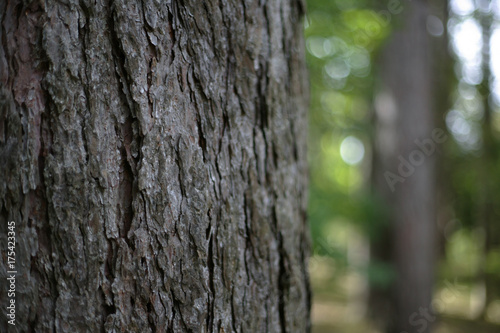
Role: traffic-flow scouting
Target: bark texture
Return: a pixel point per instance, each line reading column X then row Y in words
column 152, row 155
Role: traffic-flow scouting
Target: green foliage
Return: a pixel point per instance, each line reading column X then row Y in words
column 340, row 50
column 342, row 40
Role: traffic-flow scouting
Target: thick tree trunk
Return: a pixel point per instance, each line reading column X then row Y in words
column 405, row 113
column 152, row 156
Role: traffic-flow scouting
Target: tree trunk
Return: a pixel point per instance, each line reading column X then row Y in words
column 488, row 189
column 405, row 113
column 152, row 156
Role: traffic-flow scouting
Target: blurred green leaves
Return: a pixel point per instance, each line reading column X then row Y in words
column 341, row 39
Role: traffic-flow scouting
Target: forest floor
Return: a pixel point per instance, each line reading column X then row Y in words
column 339, row 305
column 444, row 324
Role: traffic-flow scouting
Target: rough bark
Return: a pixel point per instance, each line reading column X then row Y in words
column 405, row 113
column 152, row 155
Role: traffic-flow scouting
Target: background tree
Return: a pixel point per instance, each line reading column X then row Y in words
column 489, row 190
column 350, row 67
column 153, row 158
column 405, row 113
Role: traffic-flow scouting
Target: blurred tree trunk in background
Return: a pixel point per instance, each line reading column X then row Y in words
column 488, row 215
column 152, row 156
column 404, row 173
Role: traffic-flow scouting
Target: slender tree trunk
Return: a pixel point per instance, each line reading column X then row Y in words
column 152, row 156
column 487, row 214
column 405, row 113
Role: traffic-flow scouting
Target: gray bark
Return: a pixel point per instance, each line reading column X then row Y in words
column 405, row 113
column 152, row 155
